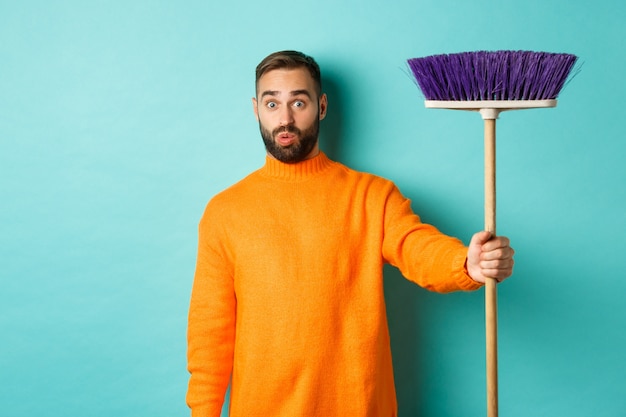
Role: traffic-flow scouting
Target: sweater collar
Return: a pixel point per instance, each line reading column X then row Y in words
column 298, row 171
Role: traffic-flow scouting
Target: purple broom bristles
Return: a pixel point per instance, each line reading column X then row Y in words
column 497, row 75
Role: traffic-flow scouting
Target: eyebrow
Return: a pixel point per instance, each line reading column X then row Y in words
column 293, row 93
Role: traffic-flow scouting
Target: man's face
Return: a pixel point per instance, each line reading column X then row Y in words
column 289, row 111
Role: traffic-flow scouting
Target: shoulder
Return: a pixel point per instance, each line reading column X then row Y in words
column 364, row 180
column 227, row 200
column 361, row 175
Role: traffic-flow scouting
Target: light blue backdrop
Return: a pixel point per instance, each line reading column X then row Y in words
column 120, row 119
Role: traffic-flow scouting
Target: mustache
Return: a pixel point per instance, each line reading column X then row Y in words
column 286, row 129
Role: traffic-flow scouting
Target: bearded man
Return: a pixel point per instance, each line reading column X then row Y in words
column 287, row 303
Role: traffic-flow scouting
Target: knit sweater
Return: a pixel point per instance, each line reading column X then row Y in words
column 287, row 298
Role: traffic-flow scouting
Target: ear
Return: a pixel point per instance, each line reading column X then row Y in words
column 255, row 107
column 323, row 105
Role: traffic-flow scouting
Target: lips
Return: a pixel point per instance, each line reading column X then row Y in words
column 286, row 138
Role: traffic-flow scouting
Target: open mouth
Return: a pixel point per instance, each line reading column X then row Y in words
column 286, row 138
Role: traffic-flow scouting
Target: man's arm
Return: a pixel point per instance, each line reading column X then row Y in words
column 211, row 325
column 438, row 262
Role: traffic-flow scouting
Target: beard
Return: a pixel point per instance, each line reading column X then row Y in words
column 296, row 152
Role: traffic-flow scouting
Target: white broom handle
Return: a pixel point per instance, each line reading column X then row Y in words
column 491, row 309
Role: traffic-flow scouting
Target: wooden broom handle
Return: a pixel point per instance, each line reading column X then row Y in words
column 491, row 309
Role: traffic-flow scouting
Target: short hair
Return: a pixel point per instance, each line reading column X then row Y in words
column 289, row 60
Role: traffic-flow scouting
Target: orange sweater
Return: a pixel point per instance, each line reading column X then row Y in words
column 288, row 291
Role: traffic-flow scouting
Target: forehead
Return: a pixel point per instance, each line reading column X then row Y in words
column 286, row 81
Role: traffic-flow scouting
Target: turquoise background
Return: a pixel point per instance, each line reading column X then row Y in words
column 120, row 119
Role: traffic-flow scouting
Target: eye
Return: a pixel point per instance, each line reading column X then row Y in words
column 298, row 103
column 271, row 105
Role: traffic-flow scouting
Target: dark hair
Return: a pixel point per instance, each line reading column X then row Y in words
column 289, row 60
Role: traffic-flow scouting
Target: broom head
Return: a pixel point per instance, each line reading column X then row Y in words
column 492, row 75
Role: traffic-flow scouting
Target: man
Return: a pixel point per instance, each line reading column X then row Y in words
column 287, row 297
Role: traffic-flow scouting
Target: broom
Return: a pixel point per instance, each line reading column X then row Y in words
column 491, row 82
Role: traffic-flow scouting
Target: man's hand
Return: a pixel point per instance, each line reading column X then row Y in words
column 489, row 257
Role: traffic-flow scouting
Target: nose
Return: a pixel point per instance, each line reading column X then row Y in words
column 286, row 116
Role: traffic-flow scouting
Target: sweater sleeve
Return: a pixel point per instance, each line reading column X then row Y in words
column 422, row 253
column 211, row 323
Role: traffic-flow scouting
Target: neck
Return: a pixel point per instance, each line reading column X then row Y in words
column 297, row 171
